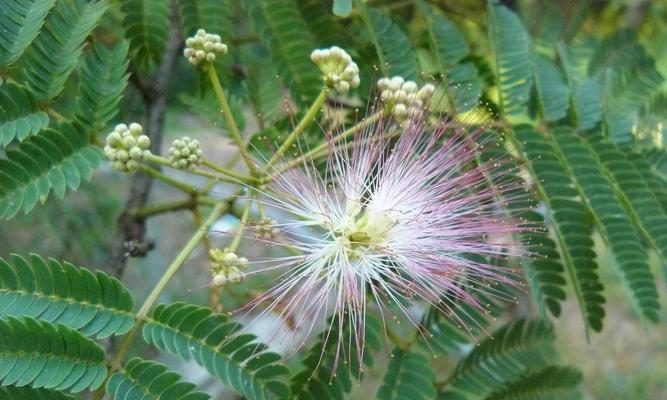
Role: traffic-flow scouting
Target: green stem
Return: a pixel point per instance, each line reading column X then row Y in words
column 150, row 211
column 168, row 180
column 175, row 265
column 303, row 124
column 242, row 223
column 226, row 171
column 199, row 199
column 229, row 118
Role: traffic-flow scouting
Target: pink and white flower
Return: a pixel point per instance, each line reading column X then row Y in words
column 390, row 221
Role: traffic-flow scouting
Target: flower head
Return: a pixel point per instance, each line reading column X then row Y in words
column 389, row 222
column 126, row 147
column 203, row 46
column 404, row 99
column 185, row 153
column 338, row 69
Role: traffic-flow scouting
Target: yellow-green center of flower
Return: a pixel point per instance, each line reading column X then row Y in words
column 367, row 228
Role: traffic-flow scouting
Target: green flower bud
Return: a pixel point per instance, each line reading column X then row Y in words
column 143, row 141
column 338, row 70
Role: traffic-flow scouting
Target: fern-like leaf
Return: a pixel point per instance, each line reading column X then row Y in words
column 51, row 59
column 651, row 175
column 394, row 50
column 512, row 51
column 550, row 383
column 510, row 352
column 286, row 36
column 328, row 371
column 448, row 44
column 612, row 221
column 190, row 331
column 20, row 115
column 629, row 77
column 572, row 223
column 149, row 380
column 101, row 84
column 62, row 293
column 20, row 21
column 585, row 91
column 449, row 48
column 326, row 28
column 263, row 89
column 42, row 355
column 408, row 376
column 58, row 158
column 637, row 196
column 552, row 92
column 146, row 25
column 28, row 393
column 213, row 16
column 543, row 268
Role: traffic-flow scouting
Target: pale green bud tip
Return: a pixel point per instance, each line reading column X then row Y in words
column 203, row 46
column 338, row 70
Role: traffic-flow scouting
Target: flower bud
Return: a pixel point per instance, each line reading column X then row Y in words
column 203, row 46
column 125, row 147
column 338, row 70
column 185, row 153
column 143, row 142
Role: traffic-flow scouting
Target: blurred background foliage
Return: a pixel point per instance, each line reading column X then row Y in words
column 575, row 88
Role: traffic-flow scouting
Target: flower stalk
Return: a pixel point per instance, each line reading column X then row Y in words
column 227, row 112
column 310, row 116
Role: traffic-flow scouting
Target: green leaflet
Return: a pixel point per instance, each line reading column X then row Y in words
column 512, row 51
column 42, row 355
column 20, row 115
column 146, row 26
column 214, row 16
column 53, row 56
column 571, row 222
column 628, row 76
column 327, row 374
column 342, row 8
column 612, row 221
column 286, row 36
column 450, row 48
column 394, row 50
column 549, row 383
column 56, row 159
column 585, row 91
column 150, row 380
column 62, row 293
column 191, row 331
column 409, row 376
column 327, row 30
column 510, row 352
column 20, row 21
column 543, row 269
column 28, row 393
column 552, row 92
column 102, row 81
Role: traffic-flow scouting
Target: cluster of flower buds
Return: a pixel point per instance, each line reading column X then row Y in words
column 185, row 153
column 338, row 70
column 126, row 147
column 267, row 228
column 203, row 46
column 226, row 266
column 402, row 98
